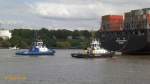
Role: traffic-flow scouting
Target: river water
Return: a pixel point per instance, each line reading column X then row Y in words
column 63, row 69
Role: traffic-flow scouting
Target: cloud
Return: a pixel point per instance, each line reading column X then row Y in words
column 72, row 11
column 81, row 9
column 10, row 22
column 65, row 12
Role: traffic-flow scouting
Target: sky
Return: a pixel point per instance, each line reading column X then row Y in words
column 63, row 14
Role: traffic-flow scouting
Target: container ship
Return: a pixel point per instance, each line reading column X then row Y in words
column 128, row 33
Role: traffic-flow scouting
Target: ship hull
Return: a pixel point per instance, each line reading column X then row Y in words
column 127, row 42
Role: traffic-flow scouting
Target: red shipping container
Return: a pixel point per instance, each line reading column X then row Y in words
column 148, row 18
column 112, row 22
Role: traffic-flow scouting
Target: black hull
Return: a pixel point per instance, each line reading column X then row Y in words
column 127, row 42
column 80, row 55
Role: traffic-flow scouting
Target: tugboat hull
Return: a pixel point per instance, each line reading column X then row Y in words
column 35, row 53
column 81, row 55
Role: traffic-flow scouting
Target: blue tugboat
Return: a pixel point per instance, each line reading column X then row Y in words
column 37, row 49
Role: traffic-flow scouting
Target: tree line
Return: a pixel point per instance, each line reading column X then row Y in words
column 23, row 38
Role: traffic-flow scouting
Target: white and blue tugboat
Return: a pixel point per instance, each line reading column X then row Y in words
column 37, row 49
column 94, row 51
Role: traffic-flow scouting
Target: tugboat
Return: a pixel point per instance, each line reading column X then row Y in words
column 94, row 51
column 37, row 49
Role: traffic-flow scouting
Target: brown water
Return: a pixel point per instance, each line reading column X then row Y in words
column 63, row 69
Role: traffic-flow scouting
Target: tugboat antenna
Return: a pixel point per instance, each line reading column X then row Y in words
column 93, row 35
column 35, row 35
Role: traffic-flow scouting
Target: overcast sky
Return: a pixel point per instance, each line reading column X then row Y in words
column 68, row 14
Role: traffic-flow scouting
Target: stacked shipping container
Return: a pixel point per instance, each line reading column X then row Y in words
column 148, row 20
column 112, row 23
column 137, row 19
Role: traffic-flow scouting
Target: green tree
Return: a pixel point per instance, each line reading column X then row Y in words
column 64, row 44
